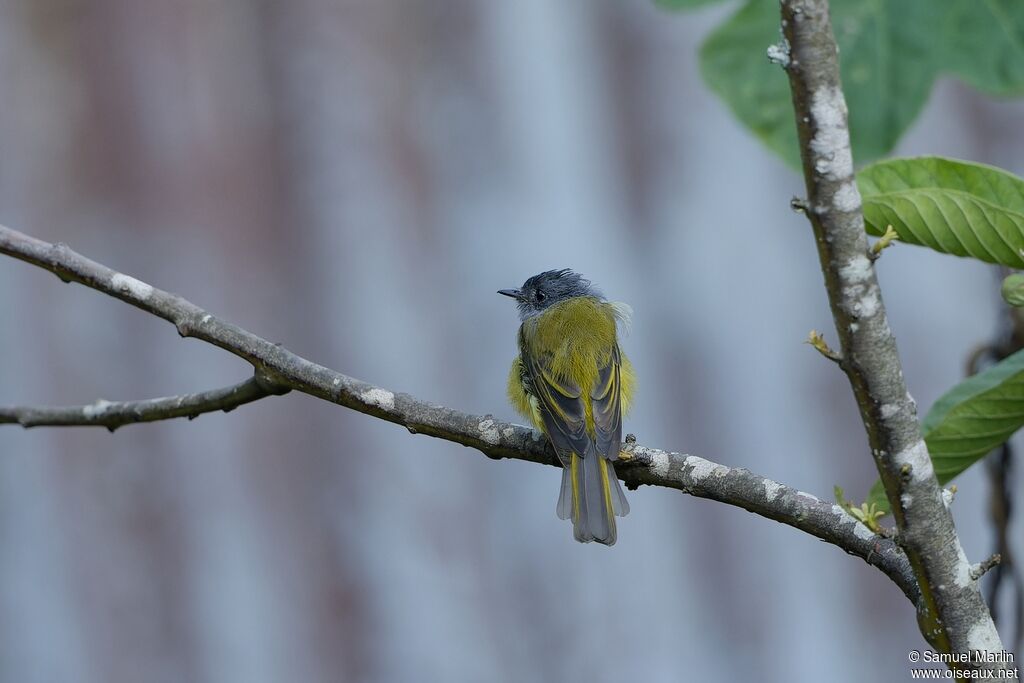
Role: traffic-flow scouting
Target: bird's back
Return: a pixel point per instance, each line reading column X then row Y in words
column 578, row 334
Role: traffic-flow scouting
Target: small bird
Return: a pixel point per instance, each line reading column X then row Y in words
column 575, row 384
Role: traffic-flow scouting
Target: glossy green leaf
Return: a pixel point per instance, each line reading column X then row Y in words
column 955, row 207
column 971, row 420
column 890, row 54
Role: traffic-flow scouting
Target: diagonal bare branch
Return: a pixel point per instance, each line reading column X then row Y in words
column 278, row 369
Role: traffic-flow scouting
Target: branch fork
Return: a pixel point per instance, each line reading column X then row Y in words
column 277, row 370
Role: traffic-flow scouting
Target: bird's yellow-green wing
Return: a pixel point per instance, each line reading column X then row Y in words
column 606, row 406
column 561, row 406
column 585, row 430
column 606, row 409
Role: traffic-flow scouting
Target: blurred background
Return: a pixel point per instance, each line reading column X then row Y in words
column 354, row 180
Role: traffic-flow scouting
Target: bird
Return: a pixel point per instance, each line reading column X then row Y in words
column 574, row 383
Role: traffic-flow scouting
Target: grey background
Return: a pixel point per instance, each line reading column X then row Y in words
column 355, row 180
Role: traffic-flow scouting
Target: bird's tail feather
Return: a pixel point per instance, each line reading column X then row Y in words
column 592, row 497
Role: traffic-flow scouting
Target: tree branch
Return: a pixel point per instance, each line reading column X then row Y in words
column 112, row 414
column 953, row 616
column 278, row 370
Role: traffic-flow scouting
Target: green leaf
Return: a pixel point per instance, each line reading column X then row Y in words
column 891, row 52
column 984, row 40
column 1013, row 290
column 877, row 496
column 734, row 64
column 971, row 420
column 955, row 207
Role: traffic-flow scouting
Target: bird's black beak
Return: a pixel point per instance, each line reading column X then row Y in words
column 514, row 293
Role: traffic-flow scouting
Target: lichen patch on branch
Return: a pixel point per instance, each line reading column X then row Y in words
column 126, row 284
column 701, row 469
column 847, row 198
column 96, row 409
column 857, row 269
column 983, row 637
column 660, row 463
column 858, row 528
column 772, row 489
column 381, row 398
column 917, row 457
column 488, row 432
column 831, row 141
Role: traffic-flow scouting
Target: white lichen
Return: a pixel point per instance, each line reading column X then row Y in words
column 917, row 457
column 963, row 566
column 337, row 381
column 701, row 469
column 379, row 397
column 778, row 53
column 906, row 500
column 772, row 489
column 888, row 410
column 852, row 294
column 847, row 198
column 97, row 409
column 205, row 319
column 858, row 269
column 828, row 108
column 862, row 532
column 488, row 432
column 859, row 530
column 126, row 284
column 831, row 141
column 868, row 304
column 508, row 432
column 947, row 497
column 659, row 463
column 983, row 636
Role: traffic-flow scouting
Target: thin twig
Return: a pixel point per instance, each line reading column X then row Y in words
column 495, row 438
column 114, row 414
column 815, row 339
column 979, row 570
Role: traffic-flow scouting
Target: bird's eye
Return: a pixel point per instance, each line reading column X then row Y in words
column 540, row 296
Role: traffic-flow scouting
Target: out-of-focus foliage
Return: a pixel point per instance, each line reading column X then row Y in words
column 954, row 207
column 684, row 4
column 1013, row 289
column 891, row 53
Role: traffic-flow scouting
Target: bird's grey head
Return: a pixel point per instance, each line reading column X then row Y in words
column 549, row 288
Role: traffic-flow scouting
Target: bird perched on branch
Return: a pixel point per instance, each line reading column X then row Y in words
column 575, row 384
